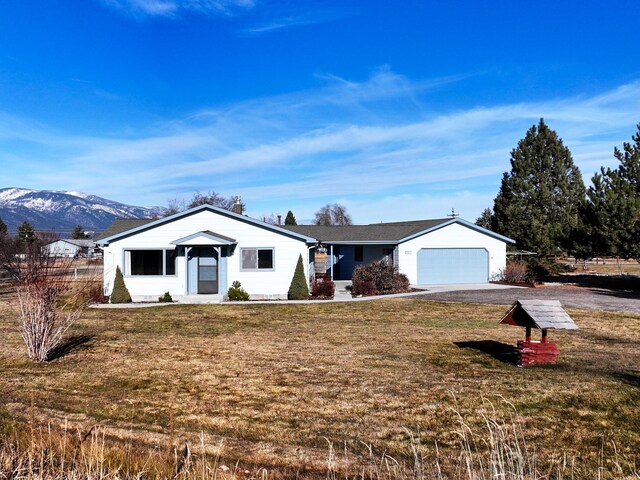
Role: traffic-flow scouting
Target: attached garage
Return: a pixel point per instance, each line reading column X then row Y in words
column 453, row 265
column 428, row 252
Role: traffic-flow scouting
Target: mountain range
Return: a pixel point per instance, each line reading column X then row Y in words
column 60, row 212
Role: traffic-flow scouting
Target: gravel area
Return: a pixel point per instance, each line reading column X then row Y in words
column 570, row 296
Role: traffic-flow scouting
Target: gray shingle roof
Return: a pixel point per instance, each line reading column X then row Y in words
column 376, row 232
column 80, row 242
column 543, row 314
column 120, row 225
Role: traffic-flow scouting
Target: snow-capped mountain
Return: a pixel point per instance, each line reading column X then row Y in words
column 60, row 212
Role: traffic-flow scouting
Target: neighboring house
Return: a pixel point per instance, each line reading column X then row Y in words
column 201, row 251
column 70, row 247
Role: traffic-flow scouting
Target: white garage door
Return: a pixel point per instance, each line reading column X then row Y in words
column 453, row 265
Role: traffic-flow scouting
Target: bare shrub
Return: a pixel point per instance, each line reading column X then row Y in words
column 516, row 271
column 323, row 288
column 95, row 293
column 377, row 278
column 49, row 302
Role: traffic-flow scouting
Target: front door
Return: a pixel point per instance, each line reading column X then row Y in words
column 207, row 270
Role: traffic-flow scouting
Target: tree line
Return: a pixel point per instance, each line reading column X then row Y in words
column 329, row 214
column 544, row 206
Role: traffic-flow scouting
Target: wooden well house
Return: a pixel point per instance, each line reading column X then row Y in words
column 541, row 314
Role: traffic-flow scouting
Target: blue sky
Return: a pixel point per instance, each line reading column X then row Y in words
column 397, row 110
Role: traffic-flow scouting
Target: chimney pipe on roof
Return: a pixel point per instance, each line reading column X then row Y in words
column 237, row 207
column 279, row 219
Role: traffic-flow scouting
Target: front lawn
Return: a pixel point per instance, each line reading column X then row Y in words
column 274, row 385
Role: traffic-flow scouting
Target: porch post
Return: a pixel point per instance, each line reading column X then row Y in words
column 332, row 261
column 186, row 269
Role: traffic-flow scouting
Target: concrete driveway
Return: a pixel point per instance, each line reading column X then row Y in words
column 626, row 301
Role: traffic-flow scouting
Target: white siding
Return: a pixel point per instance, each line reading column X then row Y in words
column 62, row 248
column 269, row 284
column 451, row 236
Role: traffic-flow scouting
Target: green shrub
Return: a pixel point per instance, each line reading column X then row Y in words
column 120, row 294
column 237, row 293
column 377, row 278
column 165, row 298
column 298, row 289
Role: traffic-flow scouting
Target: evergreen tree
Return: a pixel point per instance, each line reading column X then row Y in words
column 3, row 229
column 120, row 293
column 485, row 219
column 78, row 233
column 26, row 235
column 539, row 200
column 299, row 290
column 290, row 219
column 611, row 217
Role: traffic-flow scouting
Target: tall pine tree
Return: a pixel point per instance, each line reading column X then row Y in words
column 539, row 200
column 78, row 233
column 612, row 214
column 26, row 234
column 290, row 219
column 485, row 219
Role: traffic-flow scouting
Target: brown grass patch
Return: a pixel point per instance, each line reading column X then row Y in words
column 275, row 383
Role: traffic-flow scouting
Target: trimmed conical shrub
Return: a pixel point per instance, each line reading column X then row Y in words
column 299, row 289
column 120, row 294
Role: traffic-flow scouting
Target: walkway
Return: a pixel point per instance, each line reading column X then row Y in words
column 341, row 295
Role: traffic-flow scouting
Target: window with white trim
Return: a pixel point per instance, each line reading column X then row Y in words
column 160, row 262
column 256, row 258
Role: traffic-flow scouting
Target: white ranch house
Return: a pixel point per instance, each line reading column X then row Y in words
column 195, row 255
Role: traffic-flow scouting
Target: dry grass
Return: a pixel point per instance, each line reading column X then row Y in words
column 609, row 266
column 276, row 383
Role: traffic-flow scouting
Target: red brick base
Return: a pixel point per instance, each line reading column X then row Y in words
column 536, row 353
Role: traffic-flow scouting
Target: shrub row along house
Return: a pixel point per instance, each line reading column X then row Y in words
column 197, row 254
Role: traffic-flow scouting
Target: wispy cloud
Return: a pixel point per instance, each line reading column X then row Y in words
column 372, row 145
column 294, row 17
column 172, row 8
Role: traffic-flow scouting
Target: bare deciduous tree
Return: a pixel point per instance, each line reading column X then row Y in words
column 332, row 214
column 176, row 205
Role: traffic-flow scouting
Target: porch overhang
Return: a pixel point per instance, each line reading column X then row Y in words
column 205, row 238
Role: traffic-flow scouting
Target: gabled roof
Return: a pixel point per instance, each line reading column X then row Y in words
column 543, row 314
column 78, row 242
column 122, row 228
column 209, row 237
column 384, row 233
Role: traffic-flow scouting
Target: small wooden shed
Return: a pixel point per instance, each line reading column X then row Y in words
column 541, row 314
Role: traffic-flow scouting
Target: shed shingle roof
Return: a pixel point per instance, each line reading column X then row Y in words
column 543, row 314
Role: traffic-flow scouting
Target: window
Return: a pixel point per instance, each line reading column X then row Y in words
column 256, row 259
column 170, row 262
column 150, row 262
column 358, row 254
